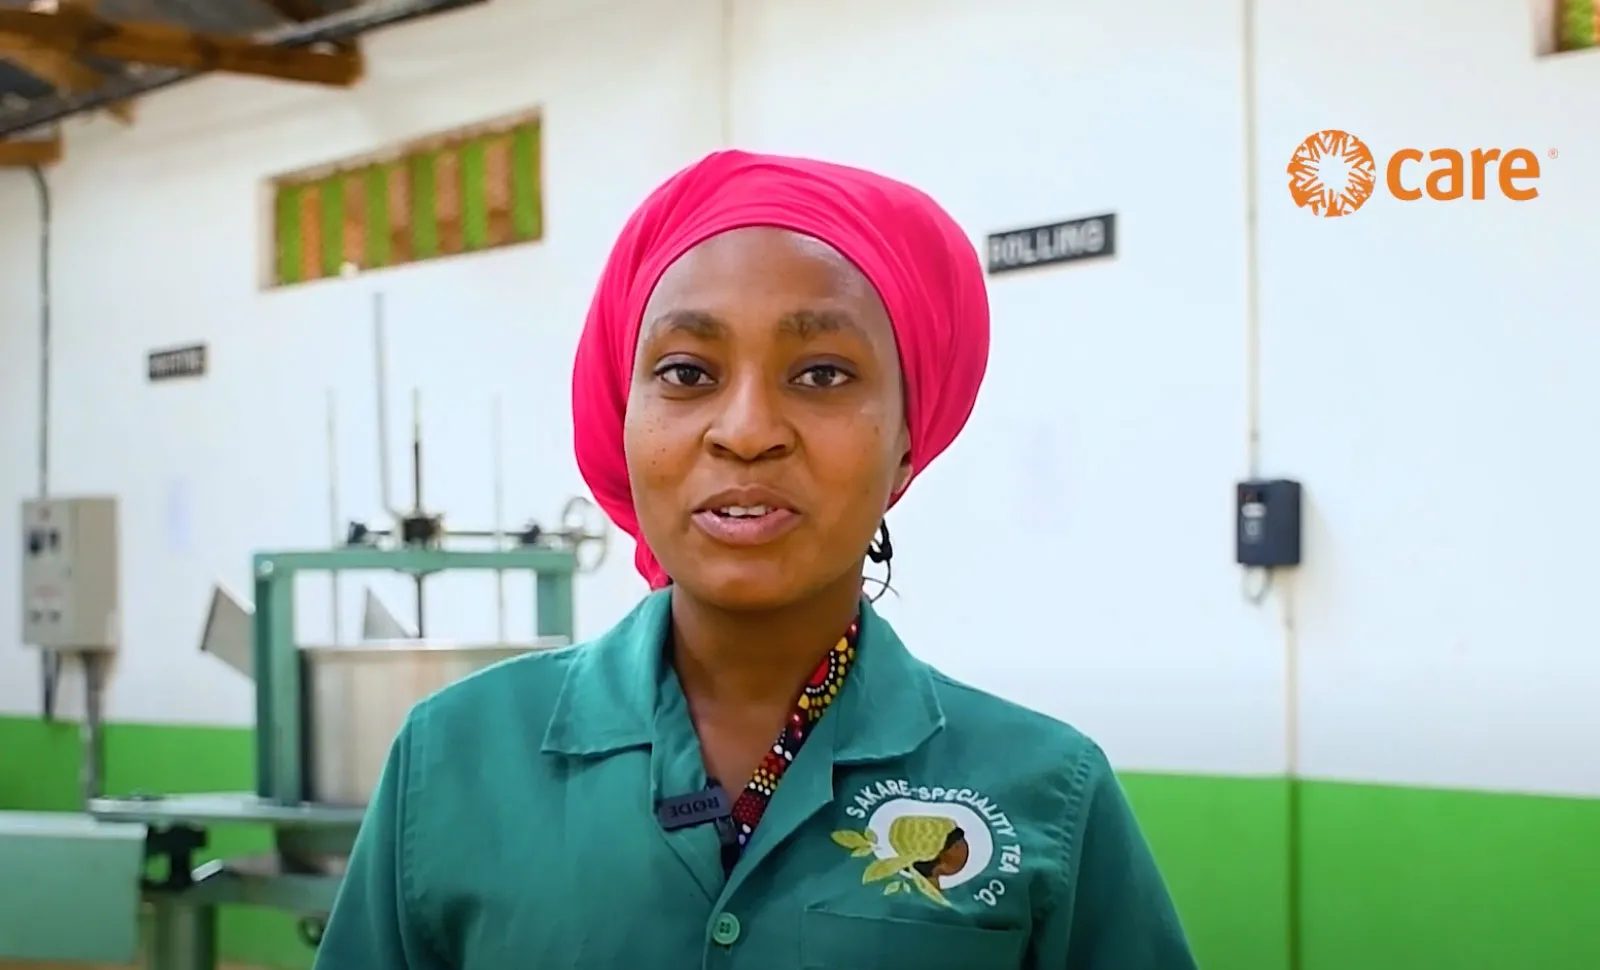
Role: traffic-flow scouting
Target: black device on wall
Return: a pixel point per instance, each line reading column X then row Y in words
column 1267, row 523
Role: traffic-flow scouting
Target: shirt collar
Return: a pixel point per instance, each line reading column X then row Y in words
column 887, row 708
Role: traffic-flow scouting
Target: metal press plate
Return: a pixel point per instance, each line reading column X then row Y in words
column 383, row 649
column 223, row 809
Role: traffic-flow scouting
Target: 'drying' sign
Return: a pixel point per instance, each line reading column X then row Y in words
column 1091, row 237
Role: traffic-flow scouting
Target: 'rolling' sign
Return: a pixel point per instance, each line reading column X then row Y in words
column 1091, row 237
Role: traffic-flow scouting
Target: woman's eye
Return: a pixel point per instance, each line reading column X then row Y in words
column 683, row 375
column 823, row 375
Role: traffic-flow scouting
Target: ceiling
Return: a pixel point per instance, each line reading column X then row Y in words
column 60, row 58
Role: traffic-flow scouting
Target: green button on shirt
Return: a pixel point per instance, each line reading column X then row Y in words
column 924, row 824
column 725, row 932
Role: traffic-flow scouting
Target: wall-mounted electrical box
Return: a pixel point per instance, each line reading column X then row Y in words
column 69, row 574
column 1267, row 519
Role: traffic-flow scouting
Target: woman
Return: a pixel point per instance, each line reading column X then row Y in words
column 777, row 347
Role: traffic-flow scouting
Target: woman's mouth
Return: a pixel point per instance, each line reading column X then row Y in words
column 745, row 525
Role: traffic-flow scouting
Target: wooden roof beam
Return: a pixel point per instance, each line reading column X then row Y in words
column 28, row 152
column 60, row 70
column 79, row 33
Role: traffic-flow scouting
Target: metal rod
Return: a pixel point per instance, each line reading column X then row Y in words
column 416, row 450
column 455, row 533
column 380, row 356
column 497, row 439
column 727, row 46
column 335, row 531
column 419, row 580
column 416, row 502
column 341, row 26
column 183, row 936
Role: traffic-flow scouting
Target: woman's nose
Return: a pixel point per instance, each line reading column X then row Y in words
column 751, row 424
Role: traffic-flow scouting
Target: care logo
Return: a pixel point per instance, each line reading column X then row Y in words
column 1333, row 173
column 932, row 841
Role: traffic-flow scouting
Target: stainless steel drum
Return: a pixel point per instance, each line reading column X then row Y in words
column 357, row 698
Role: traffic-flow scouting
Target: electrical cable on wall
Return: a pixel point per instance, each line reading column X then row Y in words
column 49, row 660
column 1258, row 584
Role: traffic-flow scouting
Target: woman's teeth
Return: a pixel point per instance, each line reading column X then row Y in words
column 744, row 511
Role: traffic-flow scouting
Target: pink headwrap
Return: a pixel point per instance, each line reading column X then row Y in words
column 921, row 263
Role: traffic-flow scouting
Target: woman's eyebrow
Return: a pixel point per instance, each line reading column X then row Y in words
column 801, row 324
column 805, row 324
column 693, row 323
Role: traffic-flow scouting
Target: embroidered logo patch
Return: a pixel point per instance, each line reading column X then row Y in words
column 932, row 841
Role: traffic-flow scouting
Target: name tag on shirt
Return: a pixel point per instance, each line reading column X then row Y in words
column 698, row 808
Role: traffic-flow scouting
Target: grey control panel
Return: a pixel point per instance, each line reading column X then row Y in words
column 69, row 574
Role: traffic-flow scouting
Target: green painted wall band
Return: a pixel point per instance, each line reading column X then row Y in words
column 1391, row 878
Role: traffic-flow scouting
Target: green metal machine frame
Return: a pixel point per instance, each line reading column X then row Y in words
column 182, row 902
column 280, row 774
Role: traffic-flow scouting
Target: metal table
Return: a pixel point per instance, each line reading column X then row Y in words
column 301, row 877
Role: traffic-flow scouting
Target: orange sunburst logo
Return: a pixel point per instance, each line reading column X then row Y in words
column 1332, row 173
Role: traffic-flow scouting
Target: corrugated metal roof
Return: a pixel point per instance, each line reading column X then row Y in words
column 17, row 83
column 235, row 17
column 316, row 22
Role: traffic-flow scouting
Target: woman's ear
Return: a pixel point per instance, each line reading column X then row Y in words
column 902, row 476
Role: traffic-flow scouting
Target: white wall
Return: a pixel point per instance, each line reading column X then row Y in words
column 1430, row 370
column 1422, row 363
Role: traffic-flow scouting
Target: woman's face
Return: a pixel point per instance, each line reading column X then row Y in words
column 765, row 429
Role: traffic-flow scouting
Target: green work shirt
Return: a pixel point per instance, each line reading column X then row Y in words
column 925, row 825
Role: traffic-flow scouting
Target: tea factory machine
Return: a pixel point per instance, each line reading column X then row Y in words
column 125, row 876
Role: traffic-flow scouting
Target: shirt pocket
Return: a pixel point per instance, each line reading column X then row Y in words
column 836, row 941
